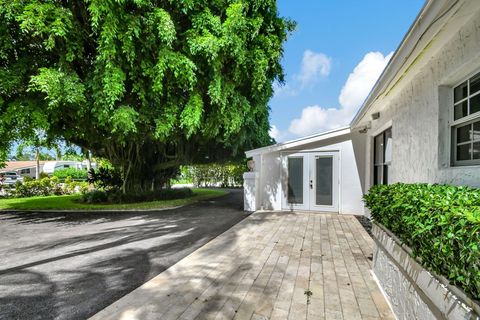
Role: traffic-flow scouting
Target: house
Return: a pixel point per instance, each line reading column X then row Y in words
column 29, row 168
column 51, row 166
column 420, row 123
column 317, row 173
column 23, row 168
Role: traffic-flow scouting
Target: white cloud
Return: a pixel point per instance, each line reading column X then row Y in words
column 314, row 66
column 315, row 119
column 362, row 79
column 274, row 132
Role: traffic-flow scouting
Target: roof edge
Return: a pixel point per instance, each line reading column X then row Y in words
column 420, row 25
column 298, row 142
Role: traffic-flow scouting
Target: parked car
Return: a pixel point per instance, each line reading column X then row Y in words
column 10, row 177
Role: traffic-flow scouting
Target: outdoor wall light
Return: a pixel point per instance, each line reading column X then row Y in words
column 251, row 164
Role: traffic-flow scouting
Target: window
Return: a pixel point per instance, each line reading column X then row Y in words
column 25, row 171
column 465, row 123
column 382, row 156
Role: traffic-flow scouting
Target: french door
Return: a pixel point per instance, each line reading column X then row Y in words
column 312, row 181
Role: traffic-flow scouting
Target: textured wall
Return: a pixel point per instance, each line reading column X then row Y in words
column 419, row 109
column 273, row 173
column 404, row 299
column 412, row 291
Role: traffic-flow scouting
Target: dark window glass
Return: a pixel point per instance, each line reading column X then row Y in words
column 476, row 131
column 463, row 133
column 461, row 91
column 463, row 152
column 378, row 175
column 475, row 104
column 475, row 84
column 324, row 181
column 476, row 150
column 460, row 110
column 378, row 149
column 380, row 170
column 385, row 174
column 295, row 180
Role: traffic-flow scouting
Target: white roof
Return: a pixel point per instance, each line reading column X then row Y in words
column 299, row 142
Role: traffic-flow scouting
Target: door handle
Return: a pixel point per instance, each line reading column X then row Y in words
column 311, row 184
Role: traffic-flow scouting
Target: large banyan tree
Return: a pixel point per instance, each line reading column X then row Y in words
column 147, row 84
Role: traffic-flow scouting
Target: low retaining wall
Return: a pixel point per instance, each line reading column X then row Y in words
column 412, row 291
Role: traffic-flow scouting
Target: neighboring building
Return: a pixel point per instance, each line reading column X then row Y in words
column 23, row 168
column 51, row 166
column 420, row 123
column 29, row 168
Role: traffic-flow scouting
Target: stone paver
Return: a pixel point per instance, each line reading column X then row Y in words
column 272, row 265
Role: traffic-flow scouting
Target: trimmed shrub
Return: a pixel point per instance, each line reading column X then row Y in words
column 47, row 187
column 76, row 174
column 207, row 175
column 42, row 187
column 440, row 223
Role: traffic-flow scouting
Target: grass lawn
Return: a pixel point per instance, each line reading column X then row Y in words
column 68, row 203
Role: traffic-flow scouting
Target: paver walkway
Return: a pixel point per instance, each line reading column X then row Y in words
column 272, row 265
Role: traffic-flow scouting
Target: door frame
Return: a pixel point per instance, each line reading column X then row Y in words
column 308, row 174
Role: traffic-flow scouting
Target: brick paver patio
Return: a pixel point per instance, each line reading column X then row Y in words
column 272, row 265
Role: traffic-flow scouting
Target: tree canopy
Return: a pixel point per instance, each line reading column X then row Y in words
column 147, row 84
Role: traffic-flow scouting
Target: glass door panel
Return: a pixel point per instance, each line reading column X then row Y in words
column 295, row 180
column 324, row 181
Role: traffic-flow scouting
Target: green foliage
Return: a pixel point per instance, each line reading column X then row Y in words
column 43, row 175
column 205, row 175
column 440, row 223
column 41, row 187
column 115, row 196
column 147, row 85
column 47, row 187
column 73, row 173
column 105, row 178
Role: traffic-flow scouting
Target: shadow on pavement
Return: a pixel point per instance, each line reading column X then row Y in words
column 70, row 266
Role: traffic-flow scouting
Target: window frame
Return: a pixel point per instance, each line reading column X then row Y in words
column 384, row 163
column 468, row 119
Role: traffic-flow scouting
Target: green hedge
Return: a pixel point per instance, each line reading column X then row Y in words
column 228, row 175
column 76, row 174
column 115, row 196
column 440, row 223
column 47, row 187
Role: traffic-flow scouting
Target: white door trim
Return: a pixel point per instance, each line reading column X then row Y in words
column 309, row 174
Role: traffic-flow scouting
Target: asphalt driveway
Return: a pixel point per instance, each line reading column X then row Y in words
column 72, row 265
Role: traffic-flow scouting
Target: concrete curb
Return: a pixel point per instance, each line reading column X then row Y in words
column 92, row 211
column 108, row 210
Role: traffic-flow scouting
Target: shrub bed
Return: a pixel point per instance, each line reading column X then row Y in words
column 228, row 175
column 73, row 173
column 115, row 196
column 440, row 224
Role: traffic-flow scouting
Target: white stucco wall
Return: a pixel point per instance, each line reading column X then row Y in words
column 417, row 108
column 273, row 173
column 413, row 292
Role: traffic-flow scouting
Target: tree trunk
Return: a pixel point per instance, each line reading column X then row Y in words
column 89, row 160
column 37, row 168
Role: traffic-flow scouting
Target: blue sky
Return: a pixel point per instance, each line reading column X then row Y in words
column 333, row 59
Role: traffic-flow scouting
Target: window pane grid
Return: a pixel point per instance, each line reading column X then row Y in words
column 465, row 124
column 466, row 99
column 469, row 149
